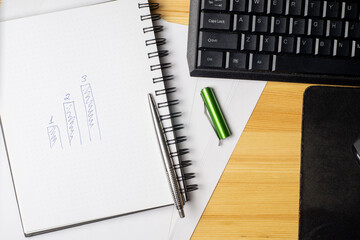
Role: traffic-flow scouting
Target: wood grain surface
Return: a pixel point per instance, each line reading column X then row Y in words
column 257, row 196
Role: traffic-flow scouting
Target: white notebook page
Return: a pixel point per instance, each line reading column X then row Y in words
column 75, row 115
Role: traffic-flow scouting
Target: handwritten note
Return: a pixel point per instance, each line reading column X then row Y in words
column 72, row 120
column 72, row 124
column 54, row 137
column 91, row 113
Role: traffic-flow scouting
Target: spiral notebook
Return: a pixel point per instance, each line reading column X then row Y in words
column 76, row 119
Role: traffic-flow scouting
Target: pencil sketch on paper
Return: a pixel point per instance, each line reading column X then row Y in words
column 54, row 137
column 91, row 112
column 72, row 124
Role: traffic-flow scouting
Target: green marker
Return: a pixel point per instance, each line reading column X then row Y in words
column 214, row 114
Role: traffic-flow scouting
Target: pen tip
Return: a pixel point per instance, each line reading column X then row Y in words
column 181, row 213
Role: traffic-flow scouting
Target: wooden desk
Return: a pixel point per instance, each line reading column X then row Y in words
column 257, row 196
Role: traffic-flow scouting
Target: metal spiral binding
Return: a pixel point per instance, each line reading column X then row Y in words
column 190, row 188
column 176, row 140
column 157, row 41
column 187, row 176
column 153, row 17
column 170, row 116
column 155, row 29
column 152, row 6
column 173, row 128
column 180, row 152
column 161, row 53
column 165, row 91
column 183, row 177
column 160, row 66
column 163, row 79
column 168, row 103
column 183, row 164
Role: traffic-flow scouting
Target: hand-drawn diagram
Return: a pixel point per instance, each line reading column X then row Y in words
column 72, row 124
column 91, row 112
column 72, row 121
column 54, row 137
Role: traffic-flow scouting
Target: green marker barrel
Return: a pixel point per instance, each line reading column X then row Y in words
column 216, row 115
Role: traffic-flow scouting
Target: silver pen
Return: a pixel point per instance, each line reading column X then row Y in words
column 168, row 161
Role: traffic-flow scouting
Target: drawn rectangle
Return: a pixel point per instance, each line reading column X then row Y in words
column 91, row 112
column 54, row 137
column 72, row 124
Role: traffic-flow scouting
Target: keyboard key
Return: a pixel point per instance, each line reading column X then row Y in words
column 260, row 62
column 217, row 21
column 295, row 7
column 220, row 5
column 241, row 22
column 236, row 60
column 210, row 59
column 257, row 6
column 317, row 27
column 342, row 48
column 286, row 44
column 324, row 47
column 260, row 24
column 356, row 49
column 335, row 28
column 354, row 30
column 218, row 40
column 267, row 43
column 305, row 46
column 317, row 65
column 314, row 8
column 332, row 9
column 298, row 26
column 249, row 42
column 238, row 5
column 279, row 24
column 351, row 10
column 276, row 6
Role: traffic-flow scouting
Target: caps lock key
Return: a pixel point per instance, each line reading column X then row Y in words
column 216, row 21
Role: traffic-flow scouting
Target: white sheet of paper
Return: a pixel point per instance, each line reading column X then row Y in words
column 154, row 224
column 237, row 99
column 12, row 9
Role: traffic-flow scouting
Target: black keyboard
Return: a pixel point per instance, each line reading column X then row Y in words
column 279, row 40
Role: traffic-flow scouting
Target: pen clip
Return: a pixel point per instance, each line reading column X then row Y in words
column 206, row 112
